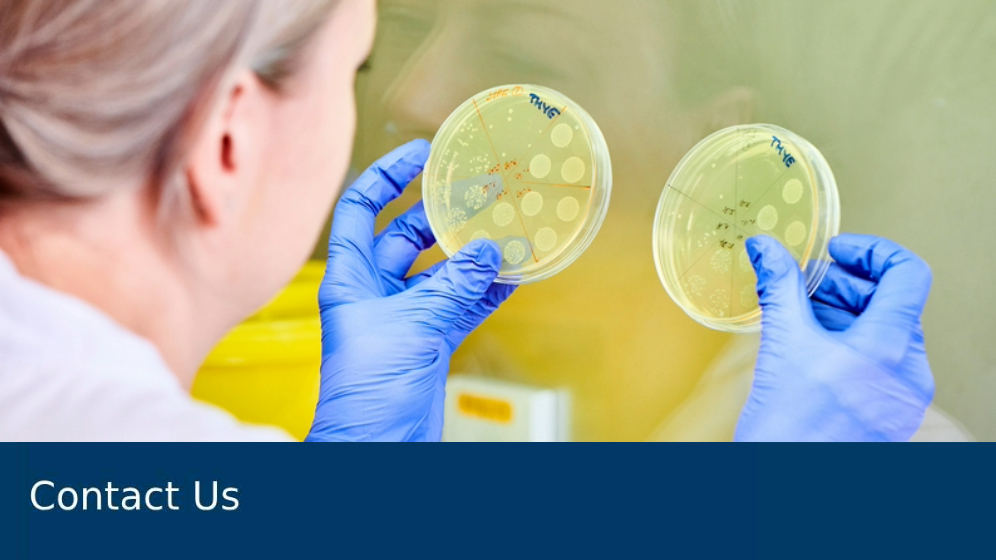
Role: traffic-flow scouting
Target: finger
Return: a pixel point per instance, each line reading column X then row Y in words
column 416, row 279
column 893, row 313
column 833, row 318
column 469, row 321
column 865, row 256
column 352, row 273
column 401, row 242
column 382, row 182
column 781, row 290
column 458, row 285
column 903, row 279
column 844, row 290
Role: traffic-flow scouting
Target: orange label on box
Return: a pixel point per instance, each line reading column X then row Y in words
column 485, row 408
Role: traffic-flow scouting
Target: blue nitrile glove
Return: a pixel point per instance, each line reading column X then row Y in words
column 387, row 339
column 850, row 363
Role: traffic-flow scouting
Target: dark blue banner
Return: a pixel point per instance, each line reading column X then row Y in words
column 606, row 501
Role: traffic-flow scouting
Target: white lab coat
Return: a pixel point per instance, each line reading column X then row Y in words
column 69, row 372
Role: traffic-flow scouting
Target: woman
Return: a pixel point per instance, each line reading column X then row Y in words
column 164, row 169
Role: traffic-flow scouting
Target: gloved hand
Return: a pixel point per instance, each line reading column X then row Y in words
column 387, row 339
column 850, row 363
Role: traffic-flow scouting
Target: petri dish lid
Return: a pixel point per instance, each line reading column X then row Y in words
column 524, row 166
column 740, row 182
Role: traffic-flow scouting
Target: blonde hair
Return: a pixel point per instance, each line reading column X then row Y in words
column 99, row 94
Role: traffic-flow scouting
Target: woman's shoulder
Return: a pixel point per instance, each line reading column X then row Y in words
column 69, row 372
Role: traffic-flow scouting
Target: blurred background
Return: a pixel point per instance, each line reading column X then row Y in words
column 900, row 96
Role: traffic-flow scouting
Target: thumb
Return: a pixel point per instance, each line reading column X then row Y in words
column 458, row 284
column 781, row 289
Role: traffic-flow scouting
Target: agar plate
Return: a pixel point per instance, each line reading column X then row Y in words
column 740, row 182
column 524, row 166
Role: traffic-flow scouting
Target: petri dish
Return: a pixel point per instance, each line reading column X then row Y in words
column 524, row 166
column 740, row 182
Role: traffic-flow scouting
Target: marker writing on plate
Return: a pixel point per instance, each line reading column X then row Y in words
column 548, row 110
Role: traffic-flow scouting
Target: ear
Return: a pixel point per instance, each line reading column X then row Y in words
column 224, row 158
column 735, row 106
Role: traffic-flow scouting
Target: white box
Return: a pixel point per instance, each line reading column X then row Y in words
column 480, row 408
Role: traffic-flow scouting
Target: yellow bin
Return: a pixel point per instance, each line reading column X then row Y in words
column 266, row 370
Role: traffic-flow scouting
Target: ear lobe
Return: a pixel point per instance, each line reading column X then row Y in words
column 735, row 106
column 206, row 174
column 200, row 208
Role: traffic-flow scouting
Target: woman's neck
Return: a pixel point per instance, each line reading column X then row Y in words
column 106, row 253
